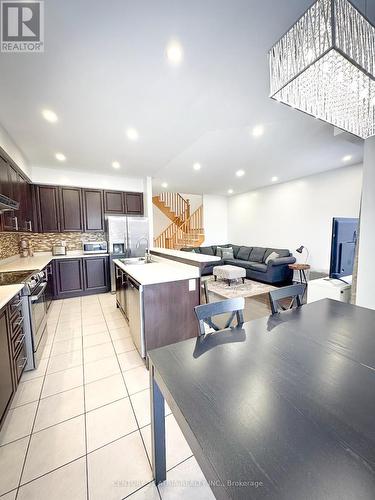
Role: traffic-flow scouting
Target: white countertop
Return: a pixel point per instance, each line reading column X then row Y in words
column 159, row 271
column 39, row 261
column 7, row 292
column 194, row 257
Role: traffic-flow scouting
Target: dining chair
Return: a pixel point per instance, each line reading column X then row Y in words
column 206, row 312
column 293, row 292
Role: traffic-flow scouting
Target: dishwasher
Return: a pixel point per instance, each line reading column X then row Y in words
column 134, row 297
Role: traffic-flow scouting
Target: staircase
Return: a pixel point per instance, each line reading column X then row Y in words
column 185, row 230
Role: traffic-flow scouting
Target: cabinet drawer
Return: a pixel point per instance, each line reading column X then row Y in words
column 16, row 322
column 20, row 361
column 17, row 340
column 15, row 306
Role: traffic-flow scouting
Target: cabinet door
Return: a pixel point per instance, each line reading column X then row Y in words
column 96, row 274
column 6, row 384
column 69, row 277
column 12, row 217
column 134, row 203
column 71, row 213
column 4, row 178
column 114, row 202
column 94, row 213
column 22, row 212
column 29, row 208
column 48, row 211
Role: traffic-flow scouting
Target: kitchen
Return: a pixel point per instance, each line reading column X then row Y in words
column 63, row 243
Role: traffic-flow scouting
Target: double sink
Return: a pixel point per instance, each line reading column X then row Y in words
column 136, row 261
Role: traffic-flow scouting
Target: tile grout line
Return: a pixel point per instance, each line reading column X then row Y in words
column 34, row 420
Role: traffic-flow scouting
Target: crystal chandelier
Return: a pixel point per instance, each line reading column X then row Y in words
column 325, row 66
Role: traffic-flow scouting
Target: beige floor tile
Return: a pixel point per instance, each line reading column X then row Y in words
column 97, row 352
column 45, row 354
column 11, row 461
column 141, row 405
column 118, row 469
column 96, row 339
column 177, row 448
column 9, row 496
column 38, row 372
column 119, row 333
column 62, row 381
column 123, row 345
column 93, row 329
column 60, row 407
column 27, row 392
column 116, row 323
column 64, row 346
column 18, row 423
column 101, row 369
column 148, row 492
column 129, row 360
column 68, row 482
column 92, row 319
column 104, row 391
column 137, row 379
column 113, row 315
column 68, row 333
column 108, row 423
column 184, row 482
column 64, row 361
column 54, row 447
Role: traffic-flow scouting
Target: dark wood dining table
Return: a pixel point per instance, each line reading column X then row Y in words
column 282, row 408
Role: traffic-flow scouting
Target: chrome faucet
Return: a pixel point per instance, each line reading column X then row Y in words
column 148, row 257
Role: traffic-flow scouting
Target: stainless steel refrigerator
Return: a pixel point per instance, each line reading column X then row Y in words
column 127, row 237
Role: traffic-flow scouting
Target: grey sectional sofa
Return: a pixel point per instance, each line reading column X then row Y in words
column 253, row 259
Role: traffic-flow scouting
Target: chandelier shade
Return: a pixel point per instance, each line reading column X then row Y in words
column 325, row 66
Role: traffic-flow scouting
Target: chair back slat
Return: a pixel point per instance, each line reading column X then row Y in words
column 293, row 292
column 206, row 312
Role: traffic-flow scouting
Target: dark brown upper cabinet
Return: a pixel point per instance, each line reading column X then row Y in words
column 114, row 202
column 71, row 212
column 48, row 209
column 94, row 210
column 134, row 203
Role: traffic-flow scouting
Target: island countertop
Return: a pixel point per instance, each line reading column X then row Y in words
column 159, row 271
column 39, row 261
column 194, row 258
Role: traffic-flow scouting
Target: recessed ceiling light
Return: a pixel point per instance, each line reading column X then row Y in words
column 347, row 158
column 258, row 131
column 164, row 184
column 174, row 52
column 274, row 179
column 240, row 173
column 197, row 166
column 49, row 115
column 230, row 191
column 132, row 134
column 60, row 157
column 115, row 164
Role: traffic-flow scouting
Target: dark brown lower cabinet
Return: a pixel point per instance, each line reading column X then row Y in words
column 81, row 276
column 6, row 380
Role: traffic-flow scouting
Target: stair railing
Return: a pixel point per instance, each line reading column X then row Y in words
column 177, row 204
column 179, row 236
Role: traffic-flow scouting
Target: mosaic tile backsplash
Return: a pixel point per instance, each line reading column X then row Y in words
column 43, row 242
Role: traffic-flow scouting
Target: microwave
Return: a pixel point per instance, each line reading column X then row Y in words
column 95, row 247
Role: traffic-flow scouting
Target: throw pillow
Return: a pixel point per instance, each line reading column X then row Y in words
column 272, row 256
column 225, row 252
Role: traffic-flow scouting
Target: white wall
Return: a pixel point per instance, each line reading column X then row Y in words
column 296, row 213
column 215, row 219
column 366, row 267
column 65, row 177
column 6, row 142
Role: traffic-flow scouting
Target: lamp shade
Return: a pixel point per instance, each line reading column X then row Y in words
column 300, row 249
column 325, row 66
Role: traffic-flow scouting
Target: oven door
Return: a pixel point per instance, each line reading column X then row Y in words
column 38, row 313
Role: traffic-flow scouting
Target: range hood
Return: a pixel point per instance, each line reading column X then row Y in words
column 8, row 204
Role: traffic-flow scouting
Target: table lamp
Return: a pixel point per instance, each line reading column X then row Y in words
column 301, row 249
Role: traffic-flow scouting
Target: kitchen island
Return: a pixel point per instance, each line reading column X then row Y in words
column 158, row 300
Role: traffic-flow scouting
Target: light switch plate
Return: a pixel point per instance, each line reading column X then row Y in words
column 192, row 285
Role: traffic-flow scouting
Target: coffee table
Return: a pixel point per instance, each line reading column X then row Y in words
column 229, row 273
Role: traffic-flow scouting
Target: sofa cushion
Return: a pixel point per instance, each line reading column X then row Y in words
column 236, row 249
column 272, row 256
column 208, row 250
column 257, row 254
column 225, row 252
column 282, row 252
column 239, row 263
column 243, row 253
column 257, row 266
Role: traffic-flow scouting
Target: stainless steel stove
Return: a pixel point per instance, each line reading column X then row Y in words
column 34, row 310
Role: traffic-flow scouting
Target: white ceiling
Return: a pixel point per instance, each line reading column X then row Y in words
column 104, row 69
